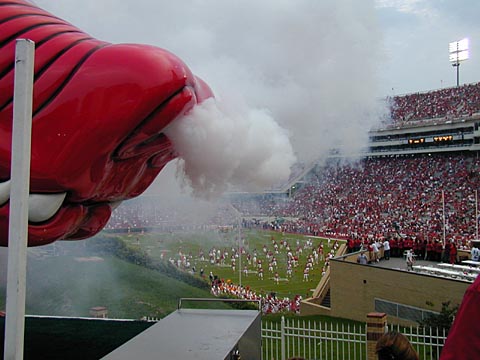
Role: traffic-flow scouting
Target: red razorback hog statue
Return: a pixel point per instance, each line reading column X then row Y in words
column 99, row 111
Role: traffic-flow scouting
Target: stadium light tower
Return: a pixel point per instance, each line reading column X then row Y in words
column 458, row 51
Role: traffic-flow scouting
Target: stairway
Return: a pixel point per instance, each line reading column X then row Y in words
column 326, row 299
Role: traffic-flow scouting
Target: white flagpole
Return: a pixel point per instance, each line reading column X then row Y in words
column 20, row 184
column 476, row 214
column 444, row 221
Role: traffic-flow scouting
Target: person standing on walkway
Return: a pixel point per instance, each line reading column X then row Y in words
column 410, row 260
column 386, row 249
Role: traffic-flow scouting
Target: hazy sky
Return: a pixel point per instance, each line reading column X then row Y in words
column 310, row 73
column 415, row 34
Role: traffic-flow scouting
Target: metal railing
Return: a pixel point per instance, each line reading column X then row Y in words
column 428, row 342
column 314, row 340
column 211, row 300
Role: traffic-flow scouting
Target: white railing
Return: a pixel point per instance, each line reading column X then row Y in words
column 428, row 342
column 314, row 340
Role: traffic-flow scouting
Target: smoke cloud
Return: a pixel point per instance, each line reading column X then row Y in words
column 220, row 146
column 293, row 79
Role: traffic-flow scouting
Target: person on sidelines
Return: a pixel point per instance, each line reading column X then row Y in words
column 430, row 251
column 400, row 247
column 438, row 247
column 376, row 252
column 410, row 260
column 386, row 249
column 393, row 247
column 453, row 252
column 369, row 249
column 446, row 252
column 362, row 258
column 475, row 253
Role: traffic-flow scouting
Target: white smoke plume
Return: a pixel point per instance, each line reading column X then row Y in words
column 292, row 79
column 218, row 146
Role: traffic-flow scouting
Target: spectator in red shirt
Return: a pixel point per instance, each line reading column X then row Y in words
column 463, row 340
column 453, row 253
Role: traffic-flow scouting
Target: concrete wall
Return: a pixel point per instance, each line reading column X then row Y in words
column 310, row 308
column 353, row 288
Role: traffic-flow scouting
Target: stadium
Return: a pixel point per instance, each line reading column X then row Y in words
column 416, row 186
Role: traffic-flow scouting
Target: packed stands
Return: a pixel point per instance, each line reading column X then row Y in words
column 382, row 196
column 377, row 197
column 448, row 103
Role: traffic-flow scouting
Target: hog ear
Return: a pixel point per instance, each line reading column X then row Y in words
column 202, row 90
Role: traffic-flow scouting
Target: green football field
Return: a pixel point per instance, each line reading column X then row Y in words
column 185, row 249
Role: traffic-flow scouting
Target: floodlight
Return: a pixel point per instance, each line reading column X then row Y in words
column 458, row 51
column 460, row 45
column 459, row 56
column 463, row 44
column 452, row 47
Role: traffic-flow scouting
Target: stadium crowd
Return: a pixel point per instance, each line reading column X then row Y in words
column 448, row 103
column 400, row 197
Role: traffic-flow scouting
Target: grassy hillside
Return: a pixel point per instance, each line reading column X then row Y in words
column 69, row 285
